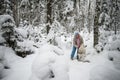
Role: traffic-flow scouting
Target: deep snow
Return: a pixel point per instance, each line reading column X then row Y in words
column 49, row 58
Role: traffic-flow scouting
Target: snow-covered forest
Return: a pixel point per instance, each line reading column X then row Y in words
column 36, row 39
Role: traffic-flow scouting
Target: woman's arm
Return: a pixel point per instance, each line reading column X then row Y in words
column 74, row 43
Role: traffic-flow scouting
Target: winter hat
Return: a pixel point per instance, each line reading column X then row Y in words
column 76, row 32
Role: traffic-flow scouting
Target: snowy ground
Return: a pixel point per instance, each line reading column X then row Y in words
column 48, row 57
column 99, row 68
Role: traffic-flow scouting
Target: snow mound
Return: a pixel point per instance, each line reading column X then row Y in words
column 113, row 43
column 1, row 70
column 7, row 55
column 115, row 55
column 102, row 72
column 1, row 38
column 48, row 63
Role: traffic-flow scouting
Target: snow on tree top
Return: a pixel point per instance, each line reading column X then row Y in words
column 24, row 2
column 4, row 18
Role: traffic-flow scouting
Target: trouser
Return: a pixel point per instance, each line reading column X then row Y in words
column 73, row 52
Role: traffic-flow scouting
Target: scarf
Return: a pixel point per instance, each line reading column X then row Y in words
column 78, row 42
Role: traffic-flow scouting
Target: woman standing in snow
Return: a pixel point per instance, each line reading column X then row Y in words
column 77, row 41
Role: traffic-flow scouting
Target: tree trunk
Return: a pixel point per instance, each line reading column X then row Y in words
column 2, row 7
column 116, row 16
column 96, row 31
column 49, row 14
column 77, row 8
column 89, row 16
column 15, row 11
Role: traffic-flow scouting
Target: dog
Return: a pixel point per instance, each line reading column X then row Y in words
column 81, row 53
